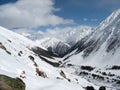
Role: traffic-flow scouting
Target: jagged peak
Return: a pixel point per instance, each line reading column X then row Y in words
column 109, row 19
column 46, row 42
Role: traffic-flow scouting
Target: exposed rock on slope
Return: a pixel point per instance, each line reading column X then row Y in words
column 8, row 83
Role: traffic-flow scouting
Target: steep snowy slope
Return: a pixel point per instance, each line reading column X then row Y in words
column 97, row 55
column 54, row 45
column 17, row 60
column 103, row 43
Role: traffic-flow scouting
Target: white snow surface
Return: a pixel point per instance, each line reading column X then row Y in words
column 13, row 65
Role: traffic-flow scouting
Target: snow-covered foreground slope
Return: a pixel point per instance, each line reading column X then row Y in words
column 17, row 60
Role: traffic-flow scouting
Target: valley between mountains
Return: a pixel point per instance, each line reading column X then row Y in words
column 71, row 59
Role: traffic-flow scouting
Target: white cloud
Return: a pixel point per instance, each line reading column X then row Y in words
column 67, row 34
column 30, row 13
column 30, row 33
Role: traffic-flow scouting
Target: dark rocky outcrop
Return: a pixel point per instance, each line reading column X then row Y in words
column 55, row 64
column 8, row 83
column 4, row 86
column 41, row 52
column 62, row 74
column 41, row 73
column 102, row 88
column 4, row 48
column 88, row 68
column 89, row 88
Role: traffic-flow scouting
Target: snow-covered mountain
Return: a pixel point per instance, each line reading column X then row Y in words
column 98, row 53
column 69, row 35
column 54, row 45
column 59, row 40
column 104, row 42
column 17, row 59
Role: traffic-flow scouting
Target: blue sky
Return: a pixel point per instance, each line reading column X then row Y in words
column 68, row 12
column 90, row 12
column 7, row 1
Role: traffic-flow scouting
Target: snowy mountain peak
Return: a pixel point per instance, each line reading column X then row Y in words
column 109, row 28
column 109, row 20
column 50, row 42
column 102, row 43
column 99, row 49
column 54, row 45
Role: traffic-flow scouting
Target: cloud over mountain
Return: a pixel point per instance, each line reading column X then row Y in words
column 29, row 13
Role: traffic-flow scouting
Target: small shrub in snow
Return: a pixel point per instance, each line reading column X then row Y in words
column 10, row 41
column 118, row 82
column 104, row 73
column 115, row 67
column 31, row 58
column 59, row 78
column 88, row 68
column 20, row 52
column 102, row 88
column 111, row 75
column 23, row 74
column 8, row 52
column 41, row 73
column 83, row 73
column 89, row 88
column 4, row 48
column 97, row 77
column 68, row 79
column 62, row 74
column 35, row 64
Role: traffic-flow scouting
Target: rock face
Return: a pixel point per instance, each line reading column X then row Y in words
column 102, row 88
column 4, row 86
column 89, row 88
column 8, row 83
